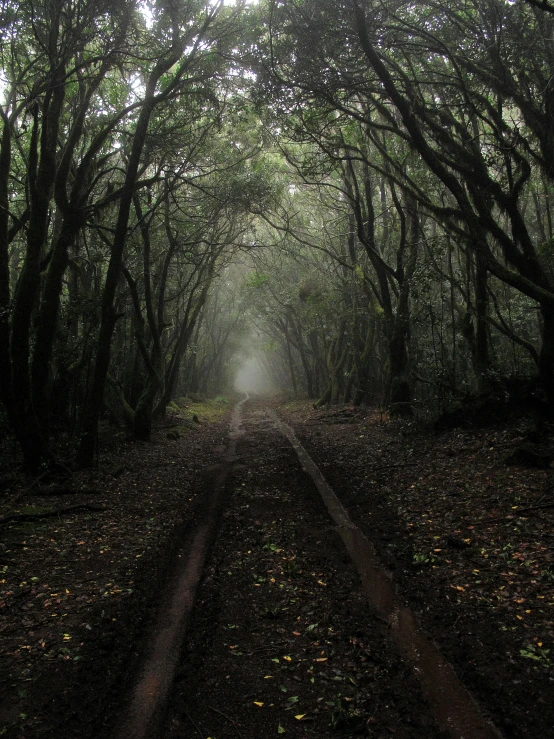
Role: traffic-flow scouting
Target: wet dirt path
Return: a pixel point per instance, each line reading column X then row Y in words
column 282, row 639
column 144, row 707
column 453, row 706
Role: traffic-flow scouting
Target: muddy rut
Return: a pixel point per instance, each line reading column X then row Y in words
column 287, row 624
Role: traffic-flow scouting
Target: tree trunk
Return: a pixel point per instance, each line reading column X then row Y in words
column 546, row 359
column 91, row 412
column 308, row 373
column 142, row 426
column 325, row 398
column 48, row 321
column 187, row 329
column 400, row 381
column 400, row 399
column 291, row 366
column 481, row 357
column 6, row 388
column 152, row 97
column 42, row 171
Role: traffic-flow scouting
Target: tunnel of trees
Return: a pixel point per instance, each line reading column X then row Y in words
column 357, row 192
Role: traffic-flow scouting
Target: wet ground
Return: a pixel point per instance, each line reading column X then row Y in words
column 257, row 605
column 467, row 538
column 297, row 629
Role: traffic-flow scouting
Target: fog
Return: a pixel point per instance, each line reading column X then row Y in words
column 252, row 378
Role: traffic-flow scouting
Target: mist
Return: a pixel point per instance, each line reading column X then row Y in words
column 252, row 378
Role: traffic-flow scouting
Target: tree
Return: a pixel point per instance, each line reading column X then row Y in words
column 51, row 85
column 411, row 81
column 165, row 79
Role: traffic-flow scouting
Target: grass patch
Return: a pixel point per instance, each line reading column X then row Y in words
column 33, row 510
column 207, row 410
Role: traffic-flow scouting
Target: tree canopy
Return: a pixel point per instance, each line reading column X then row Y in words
column 358, row 194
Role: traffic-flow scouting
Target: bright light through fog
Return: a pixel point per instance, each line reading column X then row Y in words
column 252, row 378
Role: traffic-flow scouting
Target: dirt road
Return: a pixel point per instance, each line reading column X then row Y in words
column 296, row 629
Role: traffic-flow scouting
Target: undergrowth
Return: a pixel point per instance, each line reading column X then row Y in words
column 205, row 409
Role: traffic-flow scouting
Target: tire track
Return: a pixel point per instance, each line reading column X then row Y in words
column 455, row 709
column 282, row 640
column 145, row 706
column 278, row 582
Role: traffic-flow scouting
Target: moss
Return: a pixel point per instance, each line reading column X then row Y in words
column 209, row 410
column 206, row 410
column 33, row 510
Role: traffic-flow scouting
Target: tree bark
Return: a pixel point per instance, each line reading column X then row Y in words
column 41, row 173
column 546, row 357
column 6, row 389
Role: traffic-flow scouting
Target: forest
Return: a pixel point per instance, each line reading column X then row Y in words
column 250, row 250
column 356, row 193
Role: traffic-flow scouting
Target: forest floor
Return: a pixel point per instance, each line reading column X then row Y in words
column 282, row 640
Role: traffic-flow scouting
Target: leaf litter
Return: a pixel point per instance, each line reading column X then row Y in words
column 75, row 591
column 468, row 540
column 320, row 663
